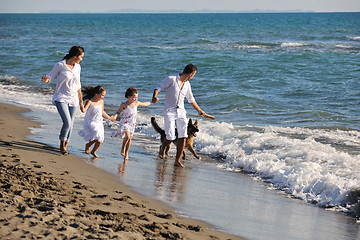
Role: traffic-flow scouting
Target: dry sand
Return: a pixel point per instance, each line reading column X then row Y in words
column 45, row 195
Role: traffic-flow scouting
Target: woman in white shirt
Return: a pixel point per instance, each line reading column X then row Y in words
column 67, row 96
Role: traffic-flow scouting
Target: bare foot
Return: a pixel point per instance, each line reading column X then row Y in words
column 179, row 164
column 94, row 154
column 64, row 152
column 126, row 157
column 63, row 146
column 122, row 152
column 87, row 148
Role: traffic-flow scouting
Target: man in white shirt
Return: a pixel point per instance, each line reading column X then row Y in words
column 177, row 89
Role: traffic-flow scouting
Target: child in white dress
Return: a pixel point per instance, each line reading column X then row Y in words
column 127, row 123
column 93, row 128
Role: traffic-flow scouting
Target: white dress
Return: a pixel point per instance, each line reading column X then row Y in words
column 93, row 128
column 127, row 122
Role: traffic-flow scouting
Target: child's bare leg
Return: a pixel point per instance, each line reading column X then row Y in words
column 95, row 148
column 88, row 146
column 127, row 148
column 125, row 140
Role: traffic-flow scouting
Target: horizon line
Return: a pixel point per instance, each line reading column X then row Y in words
column 178, row 11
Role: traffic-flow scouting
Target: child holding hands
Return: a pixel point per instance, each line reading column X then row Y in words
column 127, row 123
column 93, row 128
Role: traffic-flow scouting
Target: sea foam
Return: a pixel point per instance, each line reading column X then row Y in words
column 317, row 165
column 306, row 163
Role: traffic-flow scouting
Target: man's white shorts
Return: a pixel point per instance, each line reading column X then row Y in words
column 171, row 121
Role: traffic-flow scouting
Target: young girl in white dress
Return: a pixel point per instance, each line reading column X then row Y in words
column 93, row 128
column 127, row 123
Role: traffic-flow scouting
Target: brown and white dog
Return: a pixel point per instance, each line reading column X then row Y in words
column 192, row 129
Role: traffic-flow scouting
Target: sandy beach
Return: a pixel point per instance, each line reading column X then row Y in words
column 47, row 195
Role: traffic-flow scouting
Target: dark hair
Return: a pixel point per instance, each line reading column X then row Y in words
column 74, row 51
column 130, row 92
column 190, row 68
column 90, row 91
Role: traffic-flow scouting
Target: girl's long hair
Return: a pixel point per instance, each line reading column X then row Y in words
column 74, row 51
column 90, row 91
column 130, row 92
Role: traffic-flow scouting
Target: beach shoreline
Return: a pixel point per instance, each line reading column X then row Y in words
column 45, row 194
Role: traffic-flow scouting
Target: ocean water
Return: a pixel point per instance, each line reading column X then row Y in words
column 283, row 88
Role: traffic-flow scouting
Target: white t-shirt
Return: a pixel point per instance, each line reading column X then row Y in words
column 174, row 98
column 67, row 84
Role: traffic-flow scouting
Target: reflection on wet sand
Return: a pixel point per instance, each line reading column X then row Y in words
column 172, row 188
column 122, row 168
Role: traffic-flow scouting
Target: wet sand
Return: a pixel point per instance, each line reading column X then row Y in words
column 47, row 195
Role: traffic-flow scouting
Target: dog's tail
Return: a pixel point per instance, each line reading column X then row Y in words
column 156, row 127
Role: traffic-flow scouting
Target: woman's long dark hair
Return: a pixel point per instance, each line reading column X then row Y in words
column 74, row 51
column 90, row 91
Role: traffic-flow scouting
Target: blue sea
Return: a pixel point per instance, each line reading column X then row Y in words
column 282, row 158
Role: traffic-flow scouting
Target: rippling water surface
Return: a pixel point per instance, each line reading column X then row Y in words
column 284, row 87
